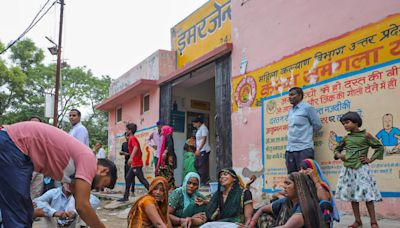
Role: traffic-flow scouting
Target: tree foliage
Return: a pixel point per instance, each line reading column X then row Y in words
column 26, row 79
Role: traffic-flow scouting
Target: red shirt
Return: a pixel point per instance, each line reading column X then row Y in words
column 137, row 158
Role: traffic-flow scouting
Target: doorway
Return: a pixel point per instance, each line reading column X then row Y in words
column 204, row 92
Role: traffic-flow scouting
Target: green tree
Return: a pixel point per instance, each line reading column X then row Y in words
column 26, row 55
column 25, row 83
column 12, row 81
column 39, row 79
column 97, row 123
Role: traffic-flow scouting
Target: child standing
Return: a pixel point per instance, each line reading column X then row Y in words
column 188, row 156
column 356, row 182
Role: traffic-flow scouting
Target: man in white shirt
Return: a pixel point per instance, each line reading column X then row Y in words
column 99, row 151
column 58, row 206
column 203, row 150
column 78, row 131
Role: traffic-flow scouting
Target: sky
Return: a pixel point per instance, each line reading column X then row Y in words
column 108, row 37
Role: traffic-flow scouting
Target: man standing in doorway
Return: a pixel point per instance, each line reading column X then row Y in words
column 78, row 131
column 202, row 150
column 303, row 122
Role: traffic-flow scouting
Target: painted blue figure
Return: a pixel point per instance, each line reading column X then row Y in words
column 389, row 135
column 334, row 139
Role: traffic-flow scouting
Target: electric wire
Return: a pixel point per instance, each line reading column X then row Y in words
column 31, row 25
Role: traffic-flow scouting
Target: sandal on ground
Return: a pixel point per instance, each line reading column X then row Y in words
column 356, row 224
column 374, row 223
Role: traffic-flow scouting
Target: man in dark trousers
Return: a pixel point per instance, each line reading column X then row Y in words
column 32, row 146
column 135, row 161
column 203, row 150
column 125, row 152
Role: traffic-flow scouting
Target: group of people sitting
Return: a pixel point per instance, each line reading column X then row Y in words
column 306, row 201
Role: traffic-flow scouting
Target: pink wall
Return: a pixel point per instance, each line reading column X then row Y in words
column 267, row 31
column 131, row 114
column 156, row 66
column 270, row 30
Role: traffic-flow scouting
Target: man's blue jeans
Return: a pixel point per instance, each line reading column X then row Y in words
column 15, row 176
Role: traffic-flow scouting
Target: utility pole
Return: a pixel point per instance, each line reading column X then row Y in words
column 58, row 70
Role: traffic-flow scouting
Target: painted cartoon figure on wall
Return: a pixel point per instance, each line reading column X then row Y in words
column 389, row 135
column 334, row 139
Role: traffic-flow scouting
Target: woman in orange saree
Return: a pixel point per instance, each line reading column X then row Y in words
column 151, row 210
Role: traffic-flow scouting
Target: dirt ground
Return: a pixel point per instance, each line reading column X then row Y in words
column 112, row 218
column 117, row 218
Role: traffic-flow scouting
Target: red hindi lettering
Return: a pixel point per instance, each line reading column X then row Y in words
column 392, row 83
column 310, row 93
column 394, row 71
column 347, row 84
column 371, row 88
column 267, row 89
column 337, row 87
column 325, row 89
column 396, row 47
column 324, row 70
column 313, row 102
column 340, row 95
column 356, row 60
column 344, row 60
column 375, row 75
column 383, row 85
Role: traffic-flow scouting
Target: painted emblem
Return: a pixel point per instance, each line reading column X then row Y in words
column 271, row 107
column 245, row 93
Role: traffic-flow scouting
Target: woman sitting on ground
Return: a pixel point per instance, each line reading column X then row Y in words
column 184, row 208
column 232, row 202
column 151, row 210
column 326, row 200
column 300, row 208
